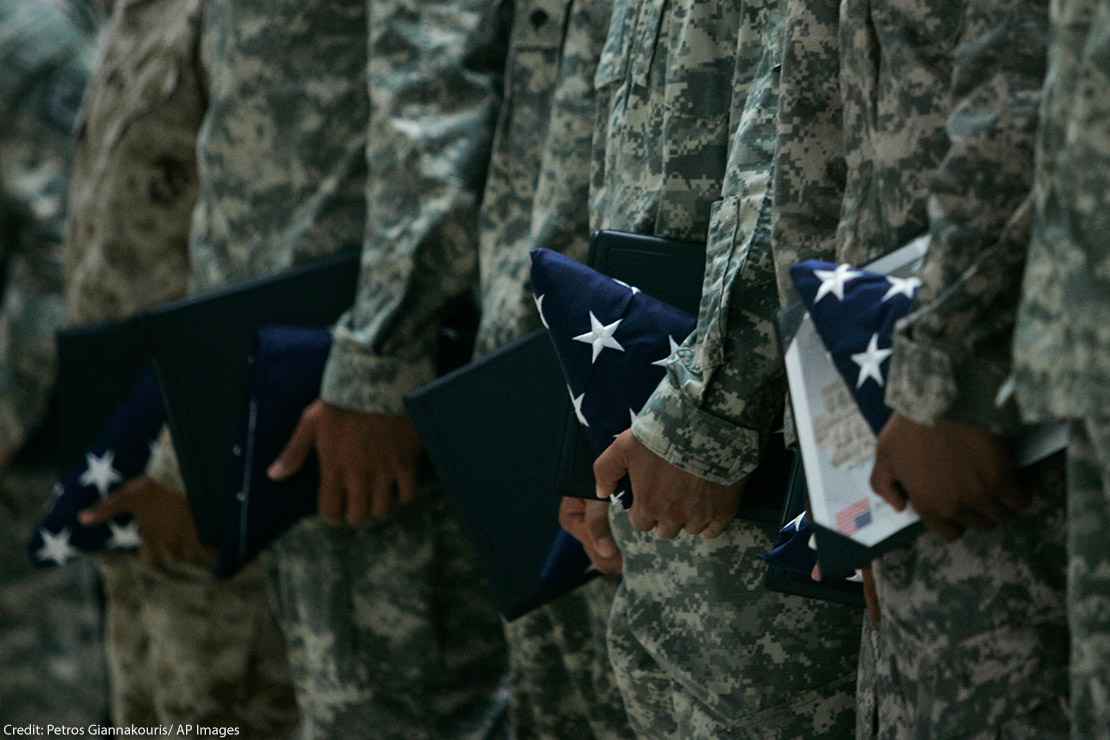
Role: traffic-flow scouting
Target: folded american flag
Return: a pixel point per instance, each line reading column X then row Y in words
column 855, row 313
column 613, row 341
column 120, row 453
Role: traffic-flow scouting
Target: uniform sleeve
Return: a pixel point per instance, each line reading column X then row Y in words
column 34, row 162
column 435, row 87
column 723, row 391
column 952, row 354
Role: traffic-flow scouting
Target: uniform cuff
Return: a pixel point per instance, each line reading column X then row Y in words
column 928, row 383
column 357, row 380
column 695, row 440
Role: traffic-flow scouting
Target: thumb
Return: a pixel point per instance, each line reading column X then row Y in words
column 611, row 467
column 597, row 528
column 296, row 451
column 884, row 482
column 120, row 502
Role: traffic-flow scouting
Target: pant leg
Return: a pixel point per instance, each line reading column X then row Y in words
column 703, row 650
column 1089, row 576
column 51, row 638
column 973, row 639
column 562, row 682
column 368, row 627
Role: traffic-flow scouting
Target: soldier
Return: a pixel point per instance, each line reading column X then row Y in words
column 965, row 626
column 683, row 145
column 51, row 641
column 183, row 648
column 388, row 631
column 1061, row 342
column 536, row 193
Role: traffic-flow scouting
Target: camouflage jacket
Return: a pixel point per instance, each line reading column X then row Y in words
column 685, row 132
column 134, row 180
column 45, row 57
column 952, row 355
column 435, row 88
column 537, row 188
column 1062, row 340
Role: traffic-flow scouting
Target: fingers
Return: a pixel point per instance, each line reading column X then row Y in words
column 381, row 503
column 121, row 502
column 668, row 530
column 300, row 445
column 884, row 482
column 331, row 500
column 610, row 468
column 406, row 486
column 358, row 500
column 607, row 556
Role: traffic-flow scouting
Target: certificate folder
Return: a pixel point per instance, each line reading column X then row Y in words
column 201, row 348
column 495, row 438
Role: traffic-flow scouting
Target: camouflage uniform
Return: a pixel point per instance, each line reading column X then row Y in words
column 51, row 642
column 683, row 147
column 537, row 194
column 940, row 100
column 1062, row 340
column 183, row 648
column 387, row 627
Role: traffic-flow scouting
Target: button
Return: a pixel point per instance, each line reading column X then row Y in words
column 538, row 19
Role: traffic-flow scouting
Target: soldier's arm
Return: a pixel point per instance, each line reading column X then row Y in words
column 435, row 86
column 952, row 355
column 723, row 389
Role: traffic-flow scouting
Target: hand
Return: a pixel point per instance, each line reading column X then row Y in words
column 956, row 475
column 367, row 461
column 666, row 498
column 588, row 522
column 871, row 596
column 164, row 519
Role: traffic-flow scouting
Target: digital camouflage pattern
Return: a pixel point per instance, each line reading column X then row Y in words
column 1088, row 583
column 940, row 99
column 435, row 87
column 283, row 157
column 182, row 647
column 952, row 354
column 1062, row 341
column 185, row 648
column 537, row 194
column 134, row 173
column 372, row 646
column 51, row 642
column 563, row 684
column 684, row 139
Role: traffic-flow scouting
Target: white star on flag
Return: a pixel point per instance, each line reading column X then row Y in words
column 796, row 521
column 578, row 406
column 832, row 281
column 539, row 307
column 600, row 336
column 124, row 537
column 870, row 361
column 901, row 286
column 100, row 472
column 55, row 547
column 633, row 288
column 670, row 355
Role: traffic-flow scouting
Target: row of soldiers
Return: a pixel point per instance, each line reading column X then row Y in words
column 221, row 140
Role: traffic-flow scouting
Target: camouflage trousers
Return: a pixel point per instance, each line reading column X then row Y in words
column 185, row 648
column 973, row 641
column 562, row 682
column 1089, row 577
column 390, row 631
column 702, row 650
column 51, row 635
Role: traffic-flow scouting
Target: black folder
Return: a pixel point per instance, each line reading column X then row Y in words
column 98, row 367
column 201, row 348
